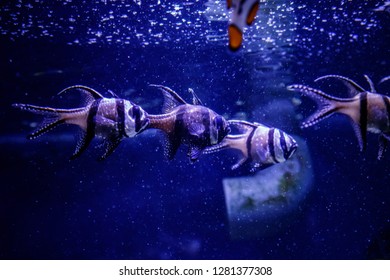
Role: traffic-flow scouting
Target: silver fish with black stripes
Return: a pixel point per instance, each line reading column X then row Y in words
column 193, row 125
column 112, row 119
column 260, row 146
column 368, row 110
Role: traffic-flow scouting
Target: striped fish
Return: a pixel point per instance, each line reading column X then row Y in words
column 193, row 125
column 368, row 110
column 109, row 118
column 261, row 146
column 244, row 13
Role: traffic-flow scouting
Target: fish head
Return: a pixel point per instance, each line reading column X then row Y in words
column 285, row 146
column 136, row 119
column 219, row 129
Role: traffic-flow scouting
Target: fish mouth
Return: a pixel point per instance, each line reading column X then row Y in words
column 293, row 149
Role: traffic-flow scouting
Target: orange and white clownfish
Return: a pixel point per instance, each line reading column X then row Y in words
column 260, row 145
column 193, row 125
column 244, row 13
column 368, row 110
column 112, row 119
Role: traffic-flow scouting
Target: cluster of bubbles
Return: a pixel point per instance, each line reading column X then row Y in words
column 195, row 22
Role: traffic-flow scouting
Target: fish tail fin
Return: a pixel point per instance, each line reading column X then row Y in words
column 52, row 117
column 327, row 104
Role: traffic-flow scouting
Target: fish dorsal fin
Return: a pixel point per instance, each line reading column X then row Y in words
column 89, row 93
column 353, row 87
column 113, row 94
column 372, row 87
column 243, row 126
column 195, row 98
column 171, row 98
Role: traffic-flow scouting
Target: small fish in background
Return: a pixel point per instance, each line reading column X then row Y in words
column 383, row 8
column 244, row 13
column 112, row 119
column 260, row 145
column 193, row 125
column 368, row 110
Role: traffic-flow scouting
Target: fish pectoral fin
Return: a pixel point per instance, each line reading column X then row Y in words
column 252, row 13
column 82, row 144
column 194, row 153
column 112, row 143
column 196, row 129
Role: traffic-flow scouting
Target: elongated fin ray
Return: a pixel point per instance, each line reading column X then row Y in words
column 369, row 81
column 384, row 79
column 171, row 98
column 89, row 93
column 195, row 98
column 352, row 86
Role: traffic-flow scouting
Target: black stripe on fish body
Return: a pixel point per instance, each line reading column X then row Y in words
column 271, row 144
column 249, row 144
column 137, row 117
column 363, row 117
column 387, row 104
column 283, row 145
column 120, row 108
column 86, row 139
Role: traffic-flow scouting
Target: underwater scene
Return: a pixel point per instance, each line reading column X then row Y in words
column 196, row 129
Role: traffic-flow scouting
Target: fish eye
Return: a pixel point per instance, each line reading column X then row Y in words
column 136, row 113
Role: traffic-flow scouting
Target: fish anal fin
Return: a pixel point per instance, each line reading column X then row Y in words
column 384, row 139
column 85, row 139
column 360, row 135
column 252, row 13
column 171, row 146
column 112, row 143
